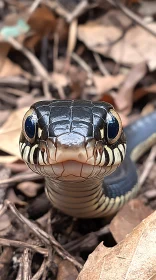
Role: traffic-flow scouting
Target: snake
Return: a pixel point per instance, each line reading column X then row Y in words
column 78, row 147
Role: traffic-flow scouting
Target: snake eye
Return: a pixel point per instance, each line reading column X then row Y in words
column 114, row 126
column 29, row 125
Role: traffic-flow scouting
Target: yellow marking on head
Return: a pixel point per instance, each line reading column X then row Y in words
column 39, row 132
column 110, row 153
column 40, row 158
column 32, row 153
column 121, row 148
column 103, row 159
column 102, row 132
column 26, row 152
column 117, row 156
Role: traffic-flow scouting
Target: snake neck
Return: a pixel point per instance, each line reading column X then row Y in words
column 75, row 198
column 87, row 200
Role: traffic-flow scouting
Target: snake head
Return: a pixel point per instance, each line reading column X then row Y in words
column 85, row 132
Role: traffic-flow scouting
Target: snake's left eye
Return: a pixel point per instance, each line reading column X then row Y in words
column 114, row 127
column 29, row 125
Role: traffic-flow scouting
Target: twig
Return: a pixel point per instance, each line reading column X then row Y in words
column 18, row 178
column 148, row 166
column 55, row 50
column 41, row 270
column 72, row 37
column 132, row 16
column 75, row 244
column 26, row 265
column 14, row 91
column 100, row 64
column 69, row 16
column 80, row 8
column 21, row 244
column 33, row 59
column 47, row 94
column 83, row 64
column 43, row 236
column 3, row 210
column 34, row 6
column 20, row 270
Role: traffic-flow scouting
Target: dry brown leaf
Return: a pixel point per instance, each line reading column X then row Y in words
column 124, row 98
column 135, row 46
column 11, row 196
column 148, row 108
column 30, row 189
column 4, row 115
column 104, row 84
column 66, row 271
column 133, row 258
column 8, row 159
column 10, row 132
column 4, row 49
column 140, row 92
column 42, row 22
column 5, row 225
column 59, row 79
column 17, row 166
column 101, row 34
column 128, row 218
column 9, row 68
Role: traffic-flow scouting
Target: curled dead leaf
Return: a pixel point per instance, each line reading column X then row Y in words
column 104, row 84
column 133, row 258
column 10, row 132
column 29, row 188
column 66, row 271
column 108, row 38
column 128, row 217
column 10, row 69
column 124, row 98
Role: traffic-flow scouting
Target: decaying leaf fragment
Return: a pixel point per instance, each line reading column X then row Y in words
column 106, row 36
column 133, row 258
column 10, row 132
column 128, row 218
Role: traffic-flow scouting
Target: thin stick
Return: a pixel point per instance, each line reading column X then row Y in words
column 34, row 6
column 100, row 64
column 43, row 236
column 18, row 178
column 21, row 244
column 132, row 16
column 35, row 62
column 80, row 8
column 26, row 265
column 72, row 37
column 55, row 50
column 41, row 270
column 82, row 63
column 3, row 210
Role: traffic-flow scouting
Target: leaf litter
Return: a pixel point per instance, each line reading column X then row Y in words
column 80, row 50
column 133, row 258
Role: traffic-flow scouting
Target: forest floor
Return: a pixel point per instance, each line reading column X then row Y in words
column 75, row 49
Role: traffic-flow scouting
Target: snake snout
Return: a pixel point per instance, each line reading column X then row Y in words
column 71, row 146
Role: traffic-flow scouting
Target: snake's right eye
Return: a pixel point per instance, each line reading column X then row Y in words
column 114, row 126
column 29, row 125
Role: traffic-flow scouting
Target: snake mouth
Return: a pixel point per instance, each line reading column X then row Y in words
column 90, row 152
column 72, row 171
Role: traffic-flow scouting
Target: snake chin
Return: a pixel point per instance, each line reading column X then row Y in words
column 72, row 171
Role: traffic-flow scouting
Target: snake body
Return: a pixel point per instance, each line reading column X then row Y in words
column 75, row 144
